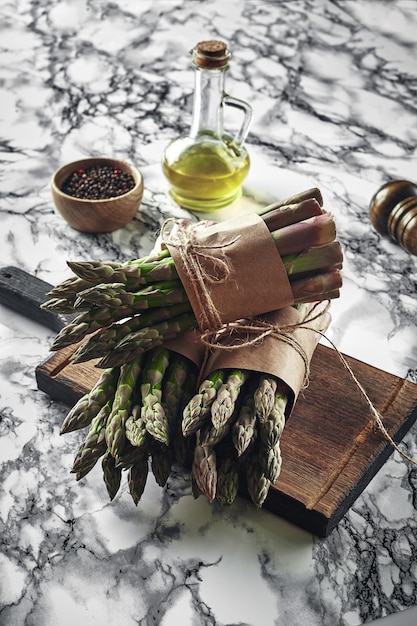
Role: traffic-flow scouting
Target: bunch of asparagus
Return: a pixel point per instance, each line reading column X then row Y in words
column 237, row 417
column 131, row 417
column 146, row 415
column 128, row 308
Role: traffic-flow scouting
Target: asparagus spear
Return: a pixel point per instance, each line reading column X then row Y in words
column 131, row 454
column 312, row 259
column 244, row 428
column 135, row 343
column 264, row 397
column 204, row 470
column 115, row 427
column 210, row 435
column 270, row 429
column 62, row 305
column 257, row 483
column 271, row 462
column 106, row 339
column 297, row 198
column 198, row 408
column 173, row 386
column 132, row 272
column 90, row 404
column 184, row 446
column 69, row 288
column 153, row 412
column 315, row 231
column 224, row 403
column 227, row 478
column 161, row 461
column 137, row 477
column 114, row 295
column 280, row 216
column 112, row 474
column 94, row 445
column 135, row 428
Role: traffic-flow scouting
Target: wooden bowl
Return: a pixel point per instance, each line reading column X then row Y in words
column 97, row 216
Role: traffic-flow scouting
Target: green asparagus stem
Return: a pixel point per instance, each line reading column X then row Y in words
column 133, row 273
column 161, row 461
column 60, row 305
column 271, row 462
column 173, row 387
column 314, row 192
column 210, row 435
column 310, row 289
column 184, row 446
column 138, row 475
column 270, row 429
column 198, row 408
column 68, row 288
column 135, row 343
column 135, row 427
column 315, row 231
column 90, row 404
column 87, row 323
column 114, row 295
column 264, row 397
column 224, row 403
column 106, row 339
column 94, row 445
column 278, row 217
column 112, row 474
column 227, row 478
column 257, row 483
column 312, row 259
column 204, row 470
column 153, row 412
column 244, row 429
column 115, row 428
column 133, row 454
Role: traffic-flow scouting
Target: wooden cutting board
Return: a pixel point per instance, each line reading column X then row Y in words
column 331, row 447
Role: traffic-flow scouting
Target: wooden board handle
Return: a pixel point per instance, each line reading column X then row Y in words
column 24, row 293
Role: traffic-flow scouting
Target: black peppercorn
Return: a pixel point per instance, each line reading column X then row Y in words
column 98, row 182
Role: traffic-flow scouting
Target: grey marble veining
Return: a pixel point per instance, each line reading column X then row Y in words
column 333, row 88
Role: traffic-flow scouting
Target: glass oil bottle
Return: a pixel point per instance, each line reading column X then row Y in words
column 206, row 168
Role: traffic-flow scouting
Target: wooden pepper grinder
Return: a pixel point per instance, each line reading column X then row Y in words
column 393, row 212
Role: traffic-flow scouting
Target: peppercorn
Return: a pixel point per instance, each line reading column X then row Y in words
column 98, row 182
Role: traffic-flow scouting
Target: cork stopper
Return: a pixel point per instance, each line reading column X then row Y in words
column 393, row 212
column 211, row 54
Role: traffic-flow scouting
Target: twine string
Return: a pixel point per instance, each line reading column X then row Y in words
column 195, row 257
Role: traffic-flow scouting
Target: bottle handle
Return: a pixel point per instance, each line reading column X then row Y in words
column 247, row 117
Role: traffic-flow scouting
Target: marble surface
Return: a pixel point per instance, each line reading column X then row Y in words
column 333, row 88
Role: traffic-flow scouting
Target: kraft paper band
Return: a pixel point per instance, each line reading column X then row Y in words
column 189, row 345
column 287, row 360
column 230, row 270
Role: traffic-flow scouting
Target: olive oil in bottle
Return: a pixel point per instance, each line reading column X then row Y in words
column 207, row 167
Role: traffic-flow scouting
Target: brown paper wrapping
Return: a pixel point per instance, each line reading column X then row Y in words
column 255, row 281
column 189, row 345
column 272, row 355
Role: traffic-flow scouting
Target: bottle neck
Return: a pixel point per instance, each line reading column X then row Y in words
column 208, row 96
